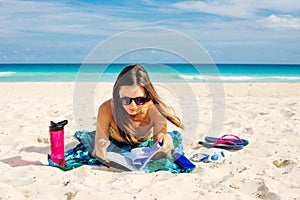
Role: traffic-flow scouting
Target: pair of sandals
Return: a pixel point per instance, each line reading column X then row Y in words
column 227, row 142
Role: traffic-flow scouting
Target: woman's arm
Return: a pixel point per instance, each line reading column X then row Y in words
column 102, row 130
column 161, row 135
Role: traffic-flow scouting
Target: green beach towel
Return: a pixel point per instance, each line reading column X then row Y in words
column 82, row 153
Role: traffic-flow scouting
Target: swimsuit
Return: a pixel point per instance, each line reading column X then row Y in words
column 114, row 134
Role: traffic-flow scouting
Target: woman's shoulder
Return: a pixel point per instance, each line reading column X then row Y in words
column 106, row 107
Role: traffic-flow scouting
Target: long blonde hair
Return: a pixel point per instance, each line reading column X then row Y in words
column 136, row 75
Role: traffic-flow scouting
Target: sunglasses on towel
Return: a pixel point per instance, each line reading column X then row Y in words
column 199, row 157
column 138, row 100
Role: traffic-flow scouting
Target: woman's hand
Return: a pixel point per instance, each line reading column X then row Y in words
column 101, row 149
column 167, row 146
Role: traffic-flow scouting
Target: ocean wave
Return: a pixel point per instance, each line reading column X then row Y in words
column 238, row 78
column 287, row 77
column 6, row 73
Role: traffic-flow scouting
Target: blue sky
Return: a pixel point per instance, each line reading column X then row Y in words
column 231, row 31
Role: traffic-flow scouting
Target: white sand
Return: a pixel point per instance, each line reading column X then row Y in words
column 266, row 114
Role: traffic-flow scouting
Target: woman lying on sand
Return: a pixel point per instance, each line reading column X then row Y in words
column 134, row 114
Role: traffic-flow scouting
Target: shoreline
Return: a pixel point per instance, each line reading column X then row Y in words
column 255, row 89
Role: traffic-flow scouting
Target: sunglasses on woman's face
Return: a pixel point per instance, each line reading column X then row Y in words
column 138, row 100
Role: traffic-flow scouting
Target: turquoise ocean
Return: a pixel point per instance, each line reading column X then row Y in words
column 158, row 72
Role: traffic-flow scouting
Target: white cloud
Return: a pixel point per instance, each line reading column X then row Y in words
column 21, row 17
column 280, row 22
column 237, row 8
column 284, row 6
column 224, row 8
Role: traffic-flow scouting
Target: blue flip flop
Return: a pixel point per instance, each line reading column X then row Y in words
column 228, row 137
column 222, row 144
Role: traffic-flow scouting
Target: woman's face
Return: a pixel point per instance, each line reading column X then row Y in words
column 130, row 97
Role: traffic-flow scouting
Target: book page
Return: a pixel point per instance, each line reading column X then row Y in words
column 141, row 156
column 120, row 159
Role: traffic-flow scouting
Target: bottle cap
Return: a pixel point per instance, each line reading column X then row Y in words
column 57, row 126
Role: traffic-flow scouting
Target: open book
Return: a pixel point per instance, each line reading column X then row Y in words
column 139, row 157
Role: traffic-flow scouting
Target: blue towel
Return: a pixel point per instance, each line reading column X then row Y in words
column 82, row 153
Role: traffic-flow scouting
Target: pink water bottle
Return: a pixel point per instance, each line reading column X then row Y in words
column 56, row 131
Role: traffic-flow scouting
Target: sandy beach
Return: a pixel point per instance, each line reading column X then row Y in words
column 266, row 114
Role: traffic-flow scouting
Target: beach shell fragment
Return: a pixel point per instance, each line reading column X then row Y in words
column 44, row 140
column 283, row 163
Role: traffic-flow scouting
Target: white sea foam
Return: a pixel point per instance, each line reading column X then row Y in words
column 6, row 73
column 190, row 77
column 239, row 78
column 287, row 77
